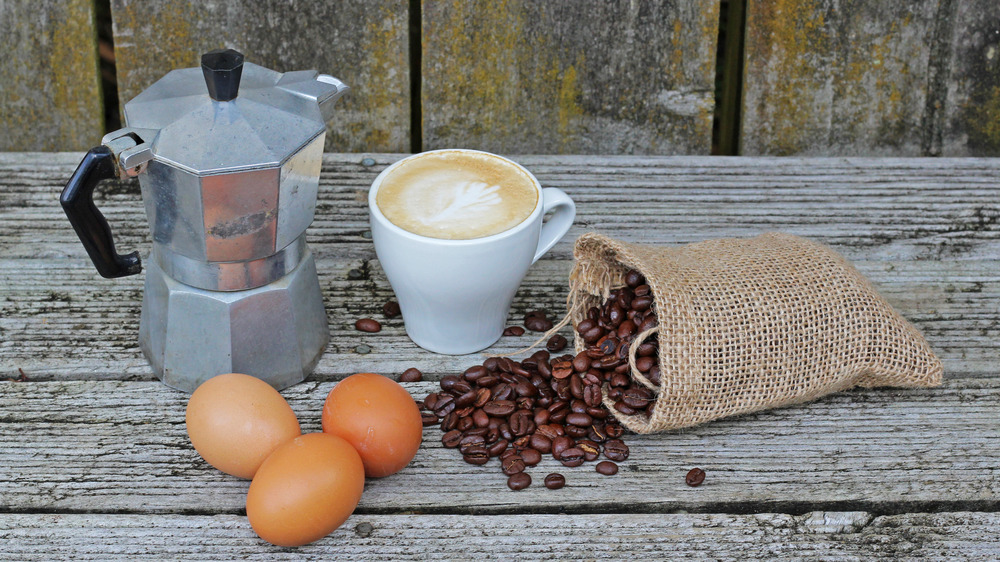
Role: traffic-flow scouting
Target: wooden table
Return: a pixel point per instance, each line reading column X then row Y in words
column 95, row 462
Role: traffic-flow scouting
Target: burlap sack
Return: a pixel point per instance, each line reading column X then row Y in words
column 751, row 324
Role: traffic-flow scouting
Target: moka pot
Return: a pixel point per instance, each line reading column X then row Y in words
column 228, row 159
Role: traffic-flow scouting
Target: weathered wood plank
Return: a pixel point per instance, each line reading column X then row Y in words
column 925, row 231
column 834, row 77
column 971, row 112
column 50, row 95
column 362, row 42
column 87, row 327
column 112, row 446
column 569, row 77
column 869, row 208
column 850, row 535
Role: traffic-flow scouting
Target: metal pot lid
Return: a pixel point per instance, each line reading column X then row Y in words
column 230, row 116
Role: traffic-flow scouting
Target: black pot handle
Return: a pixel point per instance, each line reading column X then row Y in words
column 90, row 225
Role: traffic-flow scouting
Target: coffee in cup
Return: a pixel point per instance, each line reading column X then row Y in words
column 456, row 195
column 455, row 231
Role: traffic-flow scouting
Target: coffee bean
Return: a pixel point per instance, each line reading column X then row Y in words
column 633, row 279
column 592, row 335
column 502, row 391
column 625, row 408
column 597, row 433
column 578, row 419
column 460, row 387
column 512, row 465
column 451, row 439
column 525, row 389
column 522, row 422
column 369, row 325
column 465, row 423
column 472, row 374
column 560, row 444
column 608, row 346
column 449, row 422
column 505, row 432
column 443, row 403
column 607, row 468
column 590, row 449
column 642, row 303
column 480, row 418
column 430, row 401
column 541, row 417
column 695, row 477
column 464, row 401
column 499, row 407
column 644, row 364
column 482, row 397
column 550, row 430
column 637, row 397
column 468, row 441
column 648, row 323
column 448, row 382
column 614, row 431
column 616, row 450
column 653, row 375
column 562, row 369
column 476, row 455
column 556, row 343
column 497, row 448
column 576, row 431
column 537, row 321
column 585, row 326
column 428, row 419
column 531, row 457
column 571, row 457
column 592, row 395
column 554, row 481
column 513, row 331
column 519, row 481
column 411, row 375
column 541, row 442
column 391, row 309
column 576, row 387
column 620, row 380
column 626, row 329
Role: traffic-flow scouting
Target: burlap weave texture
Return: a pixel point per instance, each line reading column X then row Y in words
column 751, row 324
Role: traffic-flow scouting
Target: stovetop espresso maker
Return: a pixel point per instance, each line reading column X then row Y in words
column 228, row 159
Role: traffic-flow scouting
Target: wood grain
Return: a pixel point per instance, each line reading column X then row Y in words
column 362, row 42
column 569, row 77
column 924, row 230
column 118, row 446
column 825, row 535
column 970, row 113
column 50, row 96
column 825, row 77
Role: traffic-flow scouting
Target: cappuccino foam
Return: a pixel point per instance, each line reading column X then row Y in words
column 456, row 195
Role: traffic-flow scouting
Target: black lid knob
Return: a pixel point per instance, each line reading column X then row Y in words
column 223, row 69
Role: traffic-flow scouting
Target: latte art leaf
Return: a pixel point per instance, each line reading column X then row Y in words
column 465, row 199
column 457, row 195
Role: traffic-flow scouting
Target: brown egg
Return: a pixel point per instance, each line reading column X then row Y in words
column 235, row 421
column 378, row 417
column 305, row 490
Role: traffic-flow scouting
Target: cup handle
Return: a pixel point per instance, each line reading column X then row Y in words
column 557, row 202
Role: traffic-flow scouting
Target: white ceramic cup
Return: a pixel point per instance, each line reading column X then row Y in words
column 455, row 294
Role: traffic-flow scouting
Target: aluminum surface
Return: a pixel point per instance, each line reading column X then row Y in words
column 276, row 332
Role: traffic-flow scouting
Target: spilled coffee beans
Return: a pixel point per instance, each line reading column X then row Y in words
column 517, row 412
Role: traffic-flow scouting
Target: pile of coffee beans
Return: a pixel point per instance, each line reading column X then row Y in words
column 519, row 411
